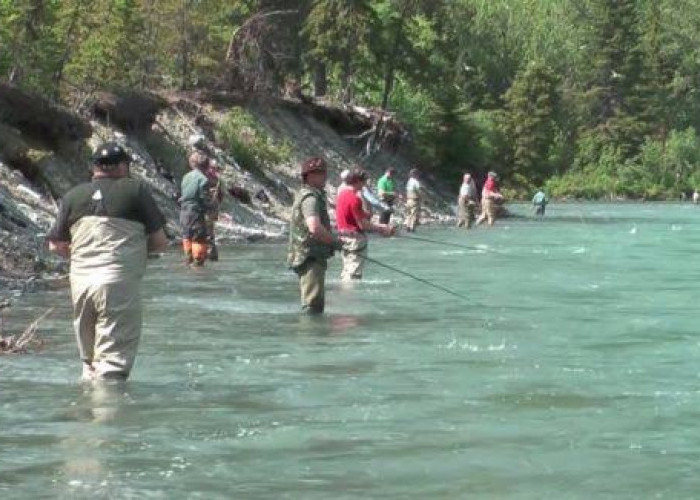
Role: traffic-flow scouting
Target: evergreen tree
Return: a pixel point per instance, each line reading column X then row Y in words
column 532, row 106
column 338, row 32
column 617, row 68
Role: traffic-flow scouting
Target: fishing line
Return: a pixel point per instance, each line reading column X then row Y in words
column 417, row 278
column 439, row 242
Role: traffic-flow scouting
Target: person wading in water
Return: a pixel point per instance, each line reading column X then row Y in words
column 106, row 227
column 311, row 242
column 413, row 200
column 491, row 200
column 215, row 197
column 195, row 201
column 467, row 202
column 353, row 223
column 386, row 189
column 539, row 202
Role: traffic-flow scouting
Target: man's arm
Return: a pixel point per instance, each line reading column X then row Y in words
column 365, row 222
column 61, row 248
column 318, row 231
column 59, row 234
column 157, row 241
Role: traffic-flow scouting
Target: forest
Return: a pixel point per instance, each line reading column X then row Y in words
column 594, row 99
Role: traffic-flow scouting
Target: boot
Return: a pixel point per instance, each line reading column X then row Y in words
column 213, row 253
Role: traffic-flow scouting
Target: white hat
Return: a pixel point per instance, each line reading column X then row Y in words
column 344, row 174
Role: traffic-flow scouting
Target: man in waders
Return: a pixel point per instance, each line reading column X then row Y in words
column 539, row 202
column 413, row 200
column 106, row 227
column 467, row 202
column 215, row 196
column 354, row 223
column 386, row 190
column 311, row 242
column 491, row 200
column 195, row 201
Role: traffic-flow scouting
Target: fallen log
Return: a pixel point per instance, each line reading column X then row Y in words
column 129, row 110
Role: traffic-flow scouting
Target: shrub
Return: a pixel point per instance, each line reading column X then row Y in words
column 249, row 143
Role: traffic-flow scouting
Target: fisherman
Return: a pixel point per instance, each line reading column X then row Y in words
column 539, row 202
column 386, row 189
column 215, row 197
column 195, row 202
column 413, row 200
column 696, row 197
column 353, row 225
column 491, row 200
column 311, row 242
column 106, row 227
column 369, row 201
column 467, row 202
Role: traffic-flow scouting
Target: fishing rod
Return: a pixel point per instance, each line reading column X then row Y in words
column 417, row 278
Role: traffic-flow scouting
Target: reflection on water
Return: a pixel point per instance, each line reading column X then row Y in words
column 568, row 372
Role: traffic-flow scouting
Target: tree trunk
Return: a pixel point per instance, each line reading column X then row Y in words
column 23, row 49
column 67, row 48
column 184, row 48
column 320, row 79
column 391, row 62
column 346, row 81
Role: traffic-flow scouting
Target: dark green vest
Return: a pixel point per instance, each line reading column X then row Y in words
column 301, row 244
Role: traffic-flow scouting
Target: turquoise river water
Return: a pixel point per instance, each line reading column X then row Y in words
column 571, row 370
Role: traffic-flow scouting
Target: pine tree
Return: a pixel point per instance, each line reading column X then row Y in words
column 338, row 33
column 617, row 69
column 532, row 106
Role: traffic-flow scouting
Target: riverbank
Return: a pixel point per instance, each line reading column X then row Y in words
column 38, row 165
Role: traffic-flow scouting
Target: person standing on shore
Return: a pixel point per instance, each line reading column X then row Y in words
column 491, row 200
column 311, row 242
column 413, row 200
column 386, row 190
column 467, row 202
column 354, row 222
column 107, row 227
column 195, row 202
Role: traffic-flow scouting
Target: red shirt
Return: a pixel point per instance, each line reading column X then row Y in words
column 348, row 212
column 490, row 186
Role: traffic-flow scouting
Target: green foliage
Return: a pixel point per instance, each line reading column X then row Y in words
column 601, row 98
column 249, row 143
column 111, row 43
column 659, row 171
column 532, row 106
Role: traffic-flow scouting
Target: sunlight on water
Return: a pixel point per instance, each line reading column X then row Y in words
column 570, row 372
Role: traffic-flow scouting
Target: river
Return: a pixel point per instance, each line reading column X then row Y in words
column 570, row 370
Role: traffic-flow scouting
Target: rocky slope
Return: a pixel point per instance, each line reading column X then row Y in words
column 38, row 164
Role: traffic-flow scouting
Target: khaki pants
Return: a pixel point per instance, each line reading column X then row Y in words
column 413, row 206
column 489, row 211
column 107, row 320
column 354, row 256
column 312, row 285
column 466, row 214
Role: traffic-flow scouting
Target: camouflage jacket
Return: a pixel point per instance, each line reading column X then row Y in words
column 301, row 244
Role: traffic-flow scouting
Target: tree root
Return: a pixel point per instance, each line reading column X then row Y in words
column 28, row 340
